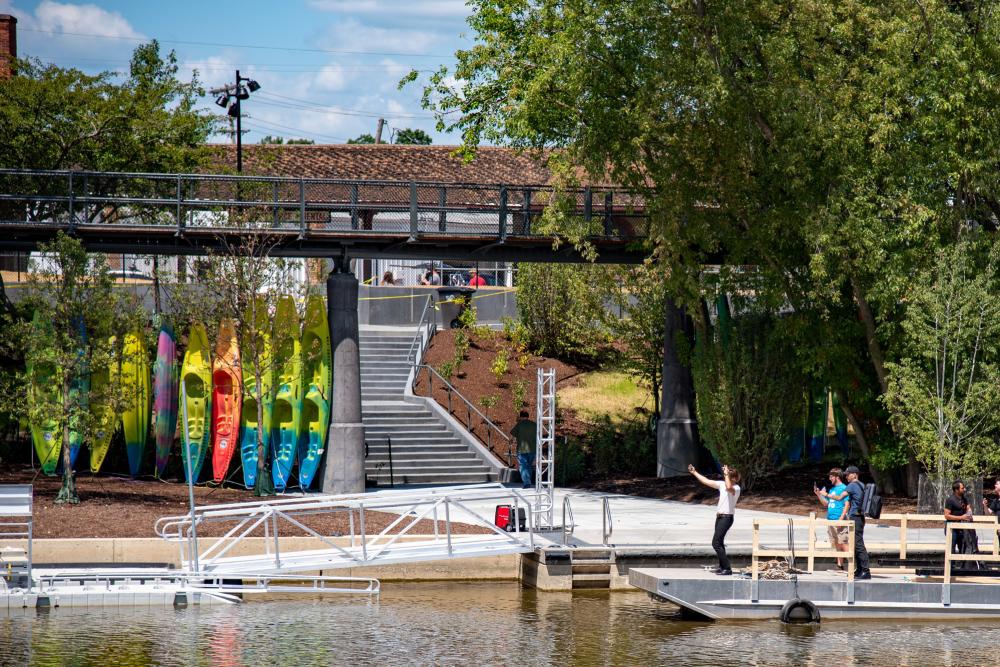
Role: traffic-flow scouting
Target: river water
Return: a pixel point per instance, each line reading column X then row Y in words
column 471, row 624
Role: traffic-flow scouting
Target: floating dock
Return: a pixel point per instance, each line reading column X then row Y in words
column 898, row 596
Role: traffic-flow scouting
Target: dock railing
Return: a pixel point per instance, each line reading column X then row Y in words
column 904, row 545
column 812, row 551
column 949, row 557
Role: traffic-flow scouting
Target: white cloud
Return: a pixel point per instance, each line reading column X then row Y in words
column 86, row 19
column 352, row 35
column 395, row 8
column 331, row 78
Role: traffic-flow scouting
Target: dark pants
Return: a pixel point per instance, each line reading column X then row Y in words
column 860, row 552
column 723, row 522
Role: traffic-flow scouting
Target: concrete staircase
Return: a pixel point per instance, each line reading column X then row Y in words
column 424, row 449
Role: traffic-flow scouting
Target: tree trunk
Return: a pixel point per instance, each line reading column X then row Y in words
column 67, row 494
column 156, row 285
column 264, row 485
column 874, row 348
column 881, row 478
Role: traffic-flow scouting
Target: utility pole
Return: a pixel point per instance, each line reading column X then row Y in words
column 239, row 93
column 378, row 130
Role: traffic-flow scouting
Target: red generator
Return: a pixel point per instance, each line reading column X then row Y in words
column 504, row 517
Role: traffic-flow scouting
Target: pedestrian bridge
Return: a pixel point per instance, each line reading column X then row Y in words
column 424, row 528
column 190, row 214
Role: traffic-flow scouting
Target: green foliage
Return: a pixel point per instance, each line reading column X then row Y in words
column 562, row 308
column 269, row 139
column 749, row 391
column 500, row 363
column 468, row 316
column 571, row 462
column 362, row 139
column 642, row 302
column 516, row 333
column 78, row 314
column 489, row 402
column 447, row 369
column 825, row 148
column 462, row 343
column 57, row 118
column 622, row 448
column 413, row 137
column 518, row 393
column 945, row 394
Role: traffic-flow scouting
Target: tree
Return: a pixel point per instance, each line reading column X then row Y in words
column 58, row 118
column 749, row 391
column 642, row 301
column 76, row 314
column 945, row 394
column 825, row 148
column 414, row 137
column 362, row 139
column 268, row 139
column 562, row 307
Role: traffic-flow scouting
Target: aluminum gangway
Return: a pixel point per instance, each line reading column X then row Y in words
column 254, row 531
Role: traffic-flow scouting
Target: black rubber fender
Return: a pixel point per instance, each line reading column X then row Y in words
column 799, row 610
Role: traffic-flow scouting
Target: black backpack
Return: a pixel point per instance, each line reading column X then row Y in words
column 871, row 502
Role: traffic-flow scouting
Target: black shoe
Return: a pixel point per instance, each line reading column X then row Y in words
column 864, row 575
column 722, row 572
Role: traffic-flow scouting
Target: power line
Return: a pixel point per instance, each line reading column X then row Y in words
column 251, row 67
column 316, row 107
column 288, row 128
column 241, row 46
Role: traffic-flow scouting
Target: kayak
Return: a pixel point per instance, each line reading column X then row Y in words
column 165, row 396
column 287, row 414
column 256, row 342
column 44, row 402
column 316, row 369
column 102, row 382
column 135, row 384
column 195, row 401
column 227, row 397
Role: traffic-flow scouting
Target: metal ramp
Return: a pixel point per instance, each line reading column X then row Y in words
column 398, row 542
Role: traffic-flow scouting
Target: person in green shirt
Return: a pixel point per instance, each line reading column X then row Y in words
column 525, row 434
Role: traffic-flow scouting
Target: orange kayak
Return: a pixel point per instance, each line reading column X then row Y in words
column 227, row 398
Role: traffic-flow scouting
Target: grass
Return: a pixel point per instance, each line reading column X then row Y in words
column 610, row 393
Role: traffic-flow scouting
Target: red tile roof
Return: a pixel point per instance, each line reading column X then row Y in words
column 391, row 162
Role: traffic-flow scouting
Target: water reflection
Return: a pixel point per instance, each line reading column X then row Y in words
column 478, row 624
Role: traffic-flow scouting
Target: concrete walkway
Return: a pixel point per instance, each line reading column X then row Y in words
column 688, row 528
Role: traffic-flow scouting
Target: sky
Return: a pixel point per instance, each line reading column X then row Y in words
column 327, row 69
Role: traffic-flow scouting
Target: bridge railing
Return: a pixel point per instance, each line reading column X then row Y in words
column 74, row 199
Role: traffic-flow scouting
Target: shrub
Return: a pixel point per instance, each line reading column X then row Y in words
column 500, row 364
column 447, row 369
column 622, row 448
column 489, row 402
column 518, row 393
column 571, row 462
column 522, row 361
column 468, row 317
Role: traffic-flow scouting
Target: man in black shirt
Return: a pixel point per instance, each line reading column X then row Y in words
column 856, row 493
column 957, row 508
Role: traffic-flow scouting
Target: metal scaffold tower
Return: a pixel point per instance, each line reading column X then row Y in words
column 545, row 456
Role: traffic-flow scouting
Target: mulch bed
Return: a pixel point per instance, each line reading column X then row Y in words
column 122, row 507
column 475, row 381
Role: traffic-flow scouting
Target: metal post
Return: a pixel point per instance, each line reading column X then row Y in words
column 392, row 481
column 447, row 523
column 414, row 218
column 239, row 127
column 179, row 214
column 364, row 534
column 588, row 203
column 442, row 214
column 187, row 462
column 274, row 190
column 527, row 212
column 503, row 213
column 72, row 221
column 302, row 208
column 354, row 205
column 608, row 208
column 277, row 551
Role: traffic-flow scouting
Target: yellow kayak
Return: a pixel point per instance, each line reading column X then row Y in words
column 195, row 403
column 136, row 384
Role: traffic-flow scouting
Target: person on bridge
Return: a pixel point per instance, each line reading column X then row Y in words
column 432, row 277
column 856, row 493
column 476, row 280
column 835, row 501
column 525, row 434
column 729, row 495
column 957, row 508
column 992, row 506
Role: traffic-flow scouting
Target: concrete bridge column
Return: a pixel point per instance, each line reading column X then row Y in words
column 344, row 467
column 677, row 430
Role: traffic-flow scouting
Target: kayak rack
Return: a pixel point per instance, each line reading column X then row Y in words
column 424, row 525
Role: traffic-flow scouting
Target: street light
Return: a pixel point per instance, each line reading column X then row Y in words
column 238, row 93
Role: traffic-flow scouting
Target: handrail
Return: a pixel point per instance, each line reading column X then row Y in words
column 567, row 507
column 470, row 408
column 416, row 343
column 607, row 523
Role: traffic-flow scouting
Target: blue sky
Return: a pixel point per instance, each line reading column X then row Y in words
column 327, row 68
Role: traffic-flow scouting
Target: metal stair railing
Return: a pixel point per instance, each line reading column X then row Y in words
column 469, row 410
column 567, row 508
column 421, row 337
column 607, row 523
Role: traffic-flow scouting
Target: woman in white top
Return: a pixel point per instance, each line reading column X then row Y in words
column 729, row 494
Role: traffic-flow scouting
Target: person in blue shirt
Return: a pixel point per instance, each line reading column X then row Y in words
column 855, row 493
column 834, row 500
